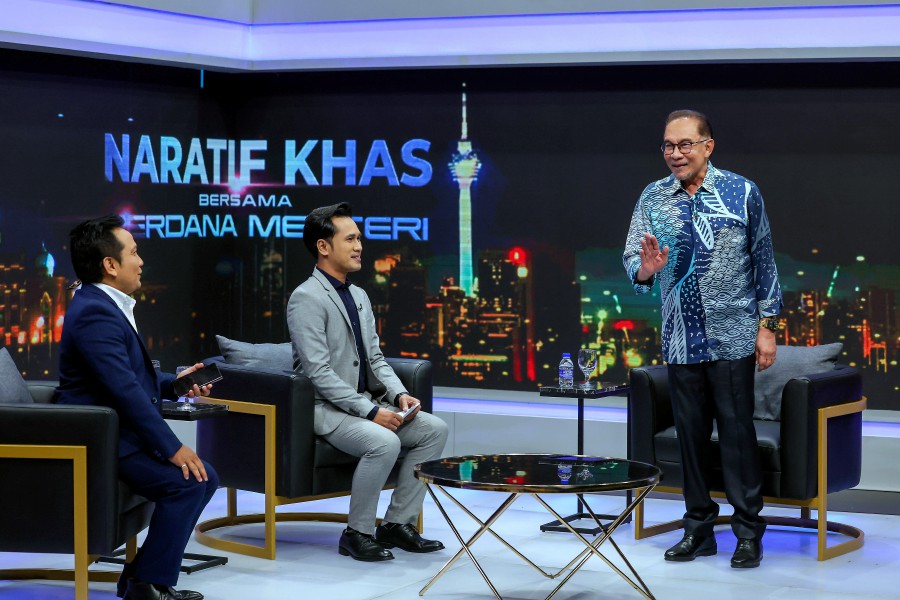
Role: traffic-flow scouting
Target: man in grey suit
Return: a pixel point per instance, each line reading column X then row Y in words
column 359, row 398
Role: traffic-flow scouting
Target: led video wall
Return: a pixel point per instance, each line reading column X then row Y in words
column 494, row 203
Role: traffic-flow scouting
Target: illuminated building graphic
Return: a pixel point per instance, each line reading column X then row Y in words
column 465, row 166
column 270, row 292
column 506, row 310
column 32, row 306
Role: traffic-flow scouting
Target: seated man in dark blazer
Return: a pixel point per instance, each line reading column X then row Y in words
column 103, row 361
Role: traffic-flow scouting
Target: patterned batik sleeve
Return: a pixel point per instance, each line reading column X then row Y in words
column 765, row 274
column 640, row 225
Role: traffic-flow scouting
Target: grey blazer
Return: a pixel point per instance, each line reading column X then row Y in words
column 325, row 351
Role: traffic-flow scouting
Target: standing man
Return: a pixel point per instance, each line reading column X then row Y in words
column 704, row 233
column 358, row 395
column 103, row 361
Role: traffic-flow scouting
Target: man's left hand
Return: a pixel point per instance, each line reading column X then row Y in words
column 765, row 349
column 406, row 401
column 189, row 463
column 196, row 391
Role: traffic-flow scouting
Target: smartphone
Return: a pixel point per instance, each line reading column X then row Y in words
column 405, row 413
column 206, row 375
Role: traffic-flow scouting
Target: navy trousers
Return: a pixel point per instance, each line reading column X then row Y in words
column 721, row 390
column 179, row 502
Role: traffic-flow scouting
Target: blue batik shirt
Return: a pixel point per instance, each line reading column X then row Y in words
column 720, row 278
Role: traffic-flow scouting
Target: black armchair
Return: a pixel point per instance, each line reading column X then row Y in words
column 61, row 493
column 800, row 466
column 266, row 444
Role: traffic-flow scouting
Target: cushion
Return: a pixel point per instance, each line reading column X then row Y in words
column 13, row 389
column 790, row 362
column 269, row 356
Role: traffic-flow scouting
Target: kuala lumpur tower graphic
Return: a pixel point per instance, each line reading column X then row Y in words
column 465, row 166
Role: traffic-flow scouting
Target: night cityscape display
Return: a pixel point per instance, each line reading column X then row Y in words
column 493, row 223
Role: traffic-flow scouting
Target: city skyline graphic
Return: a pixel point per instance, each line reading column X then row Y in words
column 492, row 299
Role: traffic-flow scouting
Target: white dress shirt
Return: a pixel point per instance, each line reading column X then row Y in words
column 123, row 301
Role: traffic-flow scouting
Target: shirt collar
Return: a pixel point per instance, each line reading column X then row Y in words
column 124, row 301
column 673, row 186
column 119, row 297
column 337, row 283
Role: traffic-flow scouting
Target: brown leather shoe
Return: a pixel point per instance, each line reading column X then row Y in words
column 405, row 537
column 690, row 547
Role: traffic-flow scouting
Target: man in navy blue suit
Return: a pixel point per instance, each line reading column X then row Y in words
column 103, row 361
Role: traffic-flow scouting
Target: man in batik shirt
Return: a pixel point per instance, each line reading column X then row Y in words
column 703, row 233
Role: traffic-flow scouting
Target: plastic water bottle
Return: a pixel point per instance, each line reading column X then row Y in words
column 566, row 371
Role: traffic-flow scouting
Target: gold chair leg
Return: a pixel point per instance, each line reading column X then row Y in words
column 267, row 412
column 78, row 456
column 642, row 531
column 823, row 526
column 131, row 548
column 269, row 517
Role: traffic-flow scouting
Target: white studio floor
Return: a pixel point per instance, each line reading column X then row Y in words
column 308, row 565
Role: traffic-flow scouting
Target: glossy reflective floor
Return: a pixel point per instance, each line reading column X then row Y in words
column 308, row 565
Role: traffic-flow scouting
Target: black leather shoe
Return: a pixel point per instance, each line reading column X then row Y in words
column 140, row 590
column 747, row 554
column 405, row 537
column 128, row 573
column 691, row 546
column 185, row 594
column 362, row 547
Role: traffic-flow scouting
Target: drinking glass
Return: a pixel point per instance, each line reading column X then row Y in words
column 186, row 403
column 564, row 472
column 587, row 362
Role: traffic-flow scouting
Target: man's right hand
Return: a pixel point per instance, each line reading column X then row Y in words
column 388, row 419
column 189, row 463
column 652, row 258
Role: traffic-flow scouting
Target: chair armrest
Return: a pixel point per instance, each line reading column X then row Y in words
column 49, row 482
column 800, row 402
column 829, row 388
column 96, row 427
column 234, row 443
column 803, row 396
column 416, row 376
column 649, row 409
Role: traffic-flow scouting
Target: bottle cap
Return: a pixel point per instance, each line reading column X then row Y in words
column 566, row 355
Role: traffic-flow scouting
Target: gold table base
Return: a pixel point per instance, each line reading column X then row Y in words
column 592, row 548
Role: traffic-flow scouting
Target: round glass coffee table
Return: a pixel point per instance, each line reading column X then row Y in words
column 534, row 475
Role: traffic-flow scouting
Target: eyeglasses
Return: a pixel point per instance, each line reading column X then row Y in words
column 683, row 147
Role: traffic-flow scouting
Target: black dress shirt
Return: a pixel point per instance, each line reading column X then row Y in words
column 343, row 290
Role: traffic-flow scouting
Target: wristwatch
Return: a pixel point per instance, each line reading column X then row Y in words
column 771, row 323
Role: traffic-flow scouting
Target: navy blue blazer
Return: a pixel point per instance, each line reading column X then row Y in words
column 103, row 361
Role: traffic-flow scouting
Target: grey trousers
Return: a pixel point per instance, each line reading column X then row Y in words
column 378, row 448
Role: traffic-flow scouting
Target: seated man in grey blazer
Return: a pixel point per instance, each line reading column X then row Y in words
column 358, row 395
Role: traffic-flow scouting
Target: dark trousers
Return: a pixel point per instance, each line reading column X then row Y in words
column 179, row 502
column 721, row 390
